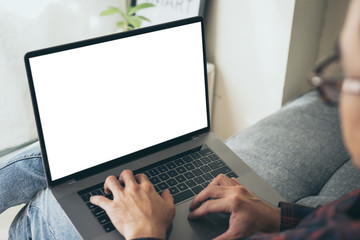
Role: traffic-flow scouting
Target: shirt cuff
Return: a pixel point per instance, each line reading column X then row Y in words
column 292, row 214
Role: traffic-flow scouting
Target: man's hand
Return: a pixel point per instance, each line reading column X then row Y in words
column 249, row 214
column 137, row 210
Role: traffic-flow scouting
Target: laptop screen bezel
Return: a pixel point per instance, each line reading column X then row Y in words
column 130, row 157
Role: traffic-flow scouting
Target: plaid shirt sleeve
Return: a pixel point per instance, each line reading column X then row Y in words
column 292, row 214
column 335, row 219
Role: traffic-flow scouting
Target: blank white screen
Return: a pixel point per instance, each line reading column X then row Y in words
column 104, row 101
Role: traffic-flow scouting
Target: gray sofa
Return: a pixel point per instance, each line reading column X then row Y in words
column 299, row 151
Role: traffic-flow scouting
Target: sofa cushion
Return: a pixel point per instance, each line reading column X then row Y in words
column 297, row 150
column 344, row 180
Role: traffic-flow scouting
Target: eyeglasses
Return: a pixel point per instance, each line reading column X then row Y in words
column 330, row 81
column 328, row 78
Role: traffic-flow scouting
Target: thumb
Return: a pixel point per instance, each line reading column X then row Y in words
column 167, row 197
column 100, row 201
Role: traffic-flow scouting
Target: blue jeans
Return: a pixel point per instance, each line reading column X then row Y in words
column 42, row 217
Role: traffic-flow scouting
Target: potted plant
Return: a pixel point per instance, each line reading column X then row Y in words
column 130, row 19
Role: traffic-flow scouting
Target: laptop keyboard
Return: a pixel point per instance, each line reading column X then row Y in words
column 184, row 175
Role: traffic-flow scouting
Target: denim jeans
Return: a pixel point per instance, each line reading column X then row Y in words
column 23, row 181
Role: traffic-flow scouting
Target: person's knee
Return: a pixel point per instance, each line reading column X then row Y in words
column 48, row 219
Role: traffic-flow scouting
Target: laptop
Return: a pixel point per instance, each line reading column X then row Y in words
column 133, row 100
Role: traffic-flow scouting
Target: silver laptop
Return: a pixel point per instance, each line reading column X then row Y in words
column 134, row 100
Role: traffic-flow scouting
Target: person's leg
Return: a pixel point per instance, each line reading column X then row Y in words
column 23, row 181
column 42, row 218
column 297, row 149
column 21, row 178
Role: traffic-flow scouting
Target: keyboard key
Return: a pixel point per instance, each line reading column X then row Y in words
column 162, row 186
column 207, row 176
column 157, row 189
column 162, row 168
column 199, row 180
column 223, row 170
column 90, row 189
column 155, row 180
column 181, row 170
column 205, row 160
column 97, row 211
column 213, row 157
column 174, row 190
column 187, row 159
column 180, row 178
column 172, row 173
column 197, row 172
column 183, row 196
column 195, row 155
column 147, row 174
column 97, row 192
column 189, row 166
column 190, row 183
column 232, row 175
column 103, row 219
column 90, row 205
column 171, row 182
column 205, row 152
column 205, row 169
column 171, row 165
column 216, row 164
column 164, row 176
column 179, row 162
column 109, row 227
column 86, row 197
column 198, row 163
column 189, row 175
column 182, row 186
column 205, row 184
column 197, row 189
column 153, row 172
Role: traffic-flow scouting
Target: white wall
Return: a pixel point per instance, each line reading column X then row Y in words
column 307, row 27
column 263, row 51
column 316, row 26
column 29, row 25
column 334, row 20
column 248, row 40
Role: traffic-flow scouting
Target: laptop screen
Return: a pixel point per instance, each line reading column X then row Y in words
column 101, row 101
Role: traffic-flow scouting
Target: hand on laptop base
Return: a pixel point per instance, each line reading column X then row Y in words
column 137, row 210
column 249, row 214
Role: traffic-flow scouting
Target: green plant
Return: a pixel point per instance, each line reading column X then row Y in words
column 130, row 20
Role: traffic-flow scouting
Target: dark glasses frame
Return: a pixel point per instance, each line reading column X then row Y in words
column 329, row 87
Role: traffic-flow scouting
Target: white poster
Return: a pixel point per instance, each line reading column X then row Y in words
column 168, row 10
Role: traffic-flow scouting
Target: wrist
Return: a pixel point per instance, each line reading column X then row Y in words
column 276, row 220
column 273, row 220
